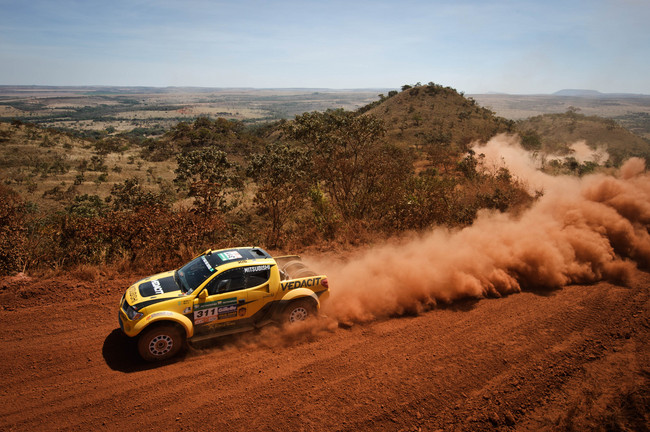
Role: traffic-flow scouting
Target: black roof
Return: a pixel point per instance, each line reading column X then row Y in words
column 217, row 258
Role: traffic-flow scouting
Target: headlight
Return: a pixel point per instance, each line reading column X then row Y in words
column 132, row 313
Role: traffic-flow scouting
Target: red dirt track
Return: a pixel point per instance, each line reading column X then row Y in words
column 577, row 358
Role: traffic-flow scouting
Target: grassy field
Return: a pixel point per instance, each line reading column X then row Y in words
column 51, row 168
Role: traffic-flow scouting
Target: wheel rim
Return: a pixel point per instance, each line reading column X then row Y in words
column 298, row 314
column 161, row 345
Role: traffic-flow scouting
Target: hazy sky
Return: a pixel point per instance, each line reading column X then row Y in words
column 514, row 46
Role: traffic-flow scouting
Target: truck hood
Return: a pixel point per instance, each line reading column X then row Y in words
column 158, row 287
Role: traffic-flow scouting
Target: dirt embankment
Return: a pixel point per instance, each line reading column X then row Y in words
column 570, row 359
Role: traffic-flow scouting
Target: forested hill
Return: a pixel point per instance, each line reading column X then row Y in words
column 431, row 114
column 437, row 120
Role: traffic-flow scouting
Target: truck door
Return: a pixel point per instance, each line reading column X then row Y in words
column 258, row 292
column 219, row 310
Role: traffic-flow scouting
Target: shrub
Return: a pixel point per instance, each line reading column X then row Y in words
column 12, row 231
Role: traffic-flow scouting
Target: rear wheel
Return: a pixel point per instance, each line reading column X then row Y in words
column 160, row 342
column 299, row 310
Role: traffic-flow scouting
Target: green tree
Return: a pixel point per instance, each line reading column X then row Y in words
column 210, row 178
column 12, row 231
column 531, row 141
column 110, row 145
column 206, row 132
column 468, row 165
column 357, row 170
column 87, row 206
column 130, row 195
column 282, row 175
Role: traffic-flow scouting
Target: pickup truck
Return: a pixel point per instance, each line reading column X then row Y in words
column 218, row 293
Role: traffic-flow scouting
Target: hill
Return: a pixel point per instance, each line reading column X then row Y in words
column 434, row 119
column 553, row 133
column 439, row 124
column 578, row 92
column 427, row 115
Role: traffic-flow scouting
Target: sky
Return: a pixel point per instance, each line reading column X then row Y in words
column 475, row 46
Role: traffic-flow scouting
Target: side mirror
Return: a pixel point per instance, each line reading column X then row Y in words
column 203, row 294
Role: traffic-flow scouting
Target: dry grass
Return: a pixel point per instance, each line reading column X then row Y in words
column 24, row 147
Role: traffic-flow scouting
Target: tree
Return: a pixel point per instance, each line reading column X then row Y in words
column 87, row 206
column 531, row 141
column 205, row 132
column 357, row 170
column 131, row 196
column 13, row 233
column 282, row 175
column 210, row 178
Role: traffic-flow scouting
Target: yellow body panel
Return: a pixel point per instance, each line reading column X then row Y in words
column 205, row 310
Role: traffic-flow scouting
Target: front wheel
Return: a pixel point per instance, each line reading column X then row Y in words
column 160, row 342
column 299, row 310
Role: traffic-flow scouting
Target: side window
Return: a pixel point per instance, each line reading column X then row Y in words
column 230, row 280
column 257, row 275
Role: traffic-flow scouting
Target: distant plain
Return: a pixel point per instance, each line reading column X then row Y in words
column 125, row 108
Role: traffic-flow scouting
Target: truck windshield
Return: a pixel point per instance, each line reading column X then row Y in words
column 194, row 273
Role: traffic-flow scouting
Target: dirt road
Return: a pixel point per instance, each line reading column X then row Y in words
column 572, row 359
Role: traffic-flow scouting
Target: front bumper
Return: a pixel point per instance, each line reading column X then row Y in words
column 126, row 325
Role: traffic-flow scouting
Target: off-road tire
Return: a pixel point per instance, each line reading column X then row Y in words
column 298, row 310
column 160, row 342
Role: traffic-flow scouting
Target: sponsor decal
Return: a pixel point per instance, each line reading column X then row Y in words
column 205, row 316
column 207, row 264
column 242, row 312
column 302, row 283
column 256, row 268
column 229, row 256
column 187, row 310
column 157, row 314
column 227, row 312
column 224, row 302
column 217, row 310
column 157, row 288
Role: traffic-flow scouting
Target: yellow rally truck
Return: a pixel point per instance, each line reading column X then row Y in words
column 218, row 293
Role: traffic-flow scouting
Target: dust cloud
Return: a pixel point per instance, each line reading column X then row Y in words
column 582, row 153
column 581, row 230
